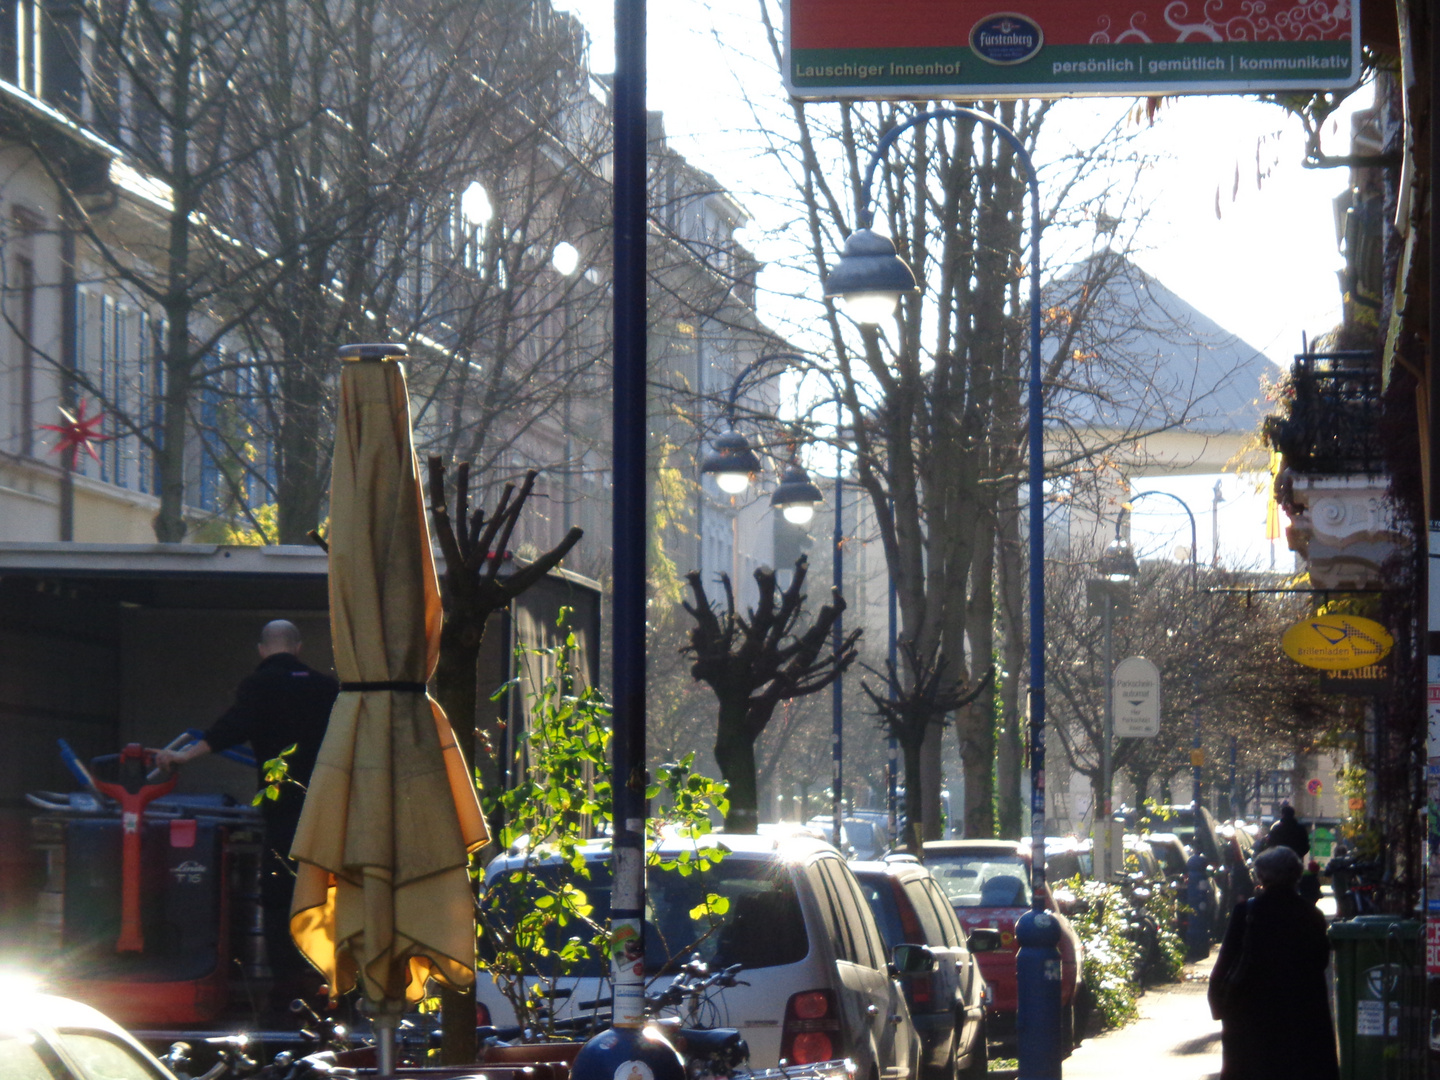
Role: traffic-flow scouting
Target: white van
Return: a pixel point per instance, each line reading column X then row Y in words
column 820, row 982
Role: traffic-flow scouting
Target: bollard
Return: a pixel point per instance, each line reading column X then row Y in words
column 1038, row 984
column 627, row 1053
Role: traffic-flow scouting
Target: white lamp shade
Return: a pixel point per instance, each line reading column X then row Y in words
column 870, row 308
column 475, row 205
column 565, row 258
column 799, row 513
column 732, row 483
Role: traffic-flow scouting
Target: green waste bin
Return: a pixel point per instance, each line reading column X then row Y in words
column 1379, row 997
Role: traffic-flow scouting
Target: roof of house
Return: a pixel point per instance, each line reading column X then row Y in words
column 1148, row 359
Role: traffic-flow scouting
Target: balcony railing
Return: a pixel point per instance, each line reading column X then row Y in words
column 1332, row 425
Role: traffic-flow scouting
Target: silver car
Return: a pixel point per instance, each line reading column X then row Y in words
column 820, row 981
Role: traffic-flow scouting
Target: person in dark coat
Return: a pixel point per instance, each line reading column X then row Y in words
column 282, row 703
column 1268, row 984
column 1289, row 832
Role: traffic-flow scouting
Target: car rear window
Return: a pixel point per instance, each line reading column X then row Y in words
column 761, row 927
column 881, row 897
column 915, row 893
column 949, row 924
column 101, row 1057
column 1171, row 856
column 982, row 880
column 20, row 1059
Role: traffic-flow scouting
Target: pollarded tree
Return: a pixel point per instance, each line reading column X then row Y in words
column 753, row 662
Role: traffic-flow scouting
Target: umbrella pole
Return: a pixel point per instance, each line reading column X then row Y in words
column 386, row 1023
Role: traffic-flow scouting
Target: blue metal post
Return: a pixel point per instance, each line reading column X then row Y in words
column 627, row 1048
column 1038, row 962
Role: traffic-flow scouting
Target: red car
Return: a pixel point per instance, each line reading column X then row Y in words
column 988, row 884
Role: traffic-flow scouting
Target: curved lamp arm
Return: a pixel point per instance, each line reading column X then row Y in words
column 734, row 397
column 1194, row 554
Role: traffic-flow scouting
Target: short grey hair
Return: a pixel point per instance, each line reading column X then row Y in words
column 1278, row 866
column 281, row 634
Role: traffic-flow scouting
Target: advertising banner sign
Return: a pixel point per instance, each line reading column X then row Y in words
column 910, row 49
column 1337, row 642
column 1359, row 682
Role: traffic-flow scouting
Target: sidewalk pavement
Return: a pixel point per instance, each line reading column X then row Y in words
column 1173, row 1038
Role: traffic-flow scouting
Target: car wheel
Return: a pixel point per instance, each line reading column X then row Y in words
column 979, row 1065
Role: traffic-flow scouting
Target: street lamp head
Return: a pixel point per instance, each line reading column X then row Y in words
column 1118, row 562
column 796, row 497
column 732, row 462
column 869, row 277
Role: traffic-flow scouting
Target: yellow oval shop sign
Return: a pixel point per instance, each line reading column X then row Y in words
column 1336, row 642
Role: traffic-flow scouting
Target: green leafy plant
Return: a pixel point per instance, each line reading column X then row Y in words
column 1169, row 963
column 276, row 773
column 1110, row 956
column 537, row 921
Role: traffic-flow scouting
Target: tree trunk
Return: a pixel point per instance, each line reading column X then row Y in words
column 735, row 754
column 1009, row 755
column 914, row 802
column 930, row 774
column 455, row 689
column 169, row 523
column 976, row 722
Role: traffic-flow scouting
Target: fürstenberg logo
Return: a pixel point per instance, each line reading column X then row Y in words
column 1006, row 38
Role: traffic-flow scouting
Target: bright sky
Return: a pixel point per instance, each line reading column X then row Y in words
column 1265, row 269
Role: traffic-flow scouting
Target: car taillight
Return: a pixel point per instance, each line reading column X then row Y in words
column 482, row 1014
column 922, row 991
column 812, row 1028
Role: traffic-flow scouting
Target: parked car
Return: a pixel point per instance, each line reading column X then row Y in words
column 820, row 984
column 860, row 837
column 988, row 884
column 1200, row 834
column 947, row 1000
column 1066, row 858
column 1174, row 861
column 55, row 1038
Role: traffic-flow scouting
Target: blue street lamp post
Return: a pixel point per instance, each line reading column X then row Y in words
column 629, row 1047
column 870, row 277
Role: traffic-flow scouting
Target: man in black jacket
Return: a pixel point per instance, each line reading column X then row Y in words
column 1290, row 833
column 282, row 703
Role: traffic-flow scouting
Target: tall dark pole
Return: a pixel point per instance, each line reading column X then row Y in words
column 628, row 1044
column 837, row 688
column 628, row 527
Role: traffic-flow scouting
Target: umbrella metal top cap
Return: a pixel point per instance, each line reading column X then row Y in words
column 374, row 351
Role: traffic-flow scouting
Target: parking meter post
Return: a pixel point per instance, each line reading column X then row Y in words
column 1038, row 983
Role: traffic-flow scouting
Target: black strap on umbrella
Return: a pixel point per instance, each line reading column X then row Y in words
column 397, row 685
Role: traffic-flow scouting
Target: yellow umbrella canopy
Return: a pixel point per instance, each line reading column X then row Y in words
column 382, row 894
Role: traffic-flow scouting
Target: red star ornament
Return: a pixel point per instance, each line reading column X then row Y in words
column 77, row 432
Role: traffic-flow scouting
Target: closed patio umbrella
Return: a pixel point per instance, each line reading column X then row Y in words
column 382, row 893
